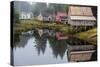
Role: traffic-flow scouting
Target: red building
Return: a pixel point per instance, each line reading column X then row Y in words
column 61, row 17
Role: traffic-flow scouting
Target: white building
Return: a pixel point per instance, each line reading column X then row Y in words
column 26, row 15
column 40, row 17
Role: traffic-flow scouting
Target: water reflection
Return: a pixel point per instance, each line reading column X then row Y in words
column 58, row 47
column 20, row 41
column 76, row 41
column 40, row 42
column 40, row 46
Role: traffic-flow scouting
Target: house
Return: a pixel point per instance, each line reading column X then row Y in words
column 44, row 17
column 40, row 17
column 25, row 15
column 61, row 17
column 81, row 16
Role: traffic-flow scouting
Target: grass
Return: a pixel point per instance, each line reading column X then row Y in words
column 90, row 35
column 26, row 25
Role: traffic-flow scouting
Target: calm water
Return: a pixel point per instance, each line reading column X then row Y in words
column 36, row 47
column 35, row 50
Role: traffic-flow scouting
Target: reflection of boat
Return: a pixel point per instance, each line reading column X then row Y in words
column 60, row 37
column 80, row 52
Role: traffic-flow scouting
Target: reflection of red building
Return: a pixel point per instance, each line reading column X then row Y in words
column 61, row 17
column 59, row 36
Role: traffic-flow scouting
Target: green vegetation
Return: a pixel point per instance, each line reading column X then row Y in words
column 90, row 35
column 26, row 25
column 16, row 17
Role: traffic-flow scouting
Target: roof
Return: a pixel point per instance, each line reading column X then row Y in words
column 83, row 18
column 80, row 11
column 44, row 14
column 61, row 14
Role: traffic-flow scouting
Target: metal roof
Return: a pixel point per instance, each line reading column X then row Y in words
column 80, row 11
column 83, row 18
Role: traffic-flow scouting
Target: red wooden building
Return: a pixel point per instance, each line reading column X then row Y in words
column 61, row 17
